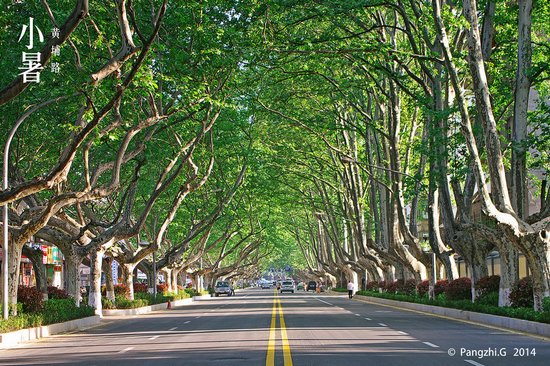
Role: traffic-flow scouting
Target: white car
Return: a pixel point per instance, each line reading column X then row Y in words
column 223, row 287
column 287, row 286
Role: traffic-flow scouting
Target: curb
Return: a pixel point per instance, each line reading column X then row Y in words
column 525, row 326
column 11, row 339
column 146, row 309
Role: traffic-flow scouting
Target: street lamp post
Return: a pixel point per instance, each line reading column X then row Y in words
column 433, row 276
column 154, row 274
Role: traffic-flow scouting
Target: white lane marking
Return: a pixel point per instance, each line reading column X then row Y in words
column 197, row 317
column 431, row 344
column 357, row 314
column 400, row 332
column 367, row 318
column 187, row 322
column 126, row 349
column 382, row 324
column 154, row 337
column 382, row 311
column 474, row 363
column 328, row 303
column 173, row 328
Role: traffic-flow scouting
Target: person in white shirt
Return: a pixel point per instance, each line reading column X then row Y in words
column 350, row 289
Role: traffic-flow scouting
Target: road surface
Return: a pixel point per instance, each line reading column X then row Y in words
column 260, row 327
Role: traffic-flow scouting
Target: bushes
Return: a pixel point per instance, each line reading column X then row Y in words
column 391, row 287
column 21, row 321
column 407, row 287
column 487, row 288
column 440, row 287
column 53, row 311
column 31, row 298
column 423, row 288
column 162, row 288
column 522, row 293
column 124, row 303
column 490, row 298
column 519, row 313
column 107, row 304
column 459, row 289
column 60, row 310
column 140, row 287
column 488, row 284
column 122, row 290
column 57, row 293
column 372, row 285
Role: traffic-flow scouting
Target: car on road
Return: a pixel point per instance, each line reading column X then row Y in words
column 311, row 285
column 223, row 287
column 300, row 286
column 287, row 286
column 265, row 284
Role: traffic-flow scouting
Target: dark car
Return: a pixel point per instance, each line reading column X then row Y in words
column 311, row 285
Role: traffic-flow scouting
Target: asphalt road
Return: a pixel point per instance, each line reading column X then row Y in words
column 258, row 327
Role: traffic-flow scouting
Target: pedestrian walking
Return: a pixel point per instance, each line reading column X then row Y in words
column 351, row 286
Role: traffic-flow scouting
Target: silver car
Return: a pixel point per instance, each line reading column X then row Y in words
column 223, row 287
column 287, row 286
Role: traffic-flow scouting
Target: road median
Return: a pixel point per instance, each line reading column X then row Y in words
column 520, row 325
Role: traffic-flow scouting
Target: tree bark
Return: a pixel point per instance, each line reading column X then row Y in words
column 94, row 297
column 40, row 275
column 128, row 278
column 518, row 187
column 109, row 284
column 72, row 276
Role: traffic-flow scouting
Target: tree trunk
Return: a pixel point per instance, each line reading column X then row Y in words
column 508, row 273
column 72, row 276
column 174, row 280
column 518, row 187
column 537, row 253
column 14, row 267
column 478, row 269
column 40, row 275
column 128, row 278
column 151, row 283
column 168, row 278
column 94, row 297
column 109, row 284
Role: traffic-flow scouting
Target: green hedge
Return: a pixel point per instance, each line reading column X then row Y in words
column 339, row 289
column 518, row 313
column 142, row 299
column 54, row 311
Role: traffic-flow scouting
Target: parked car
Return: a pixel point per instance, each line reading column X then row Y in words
column 287, row 286
column 311, row 285
column 300, row 286
column 223, row 287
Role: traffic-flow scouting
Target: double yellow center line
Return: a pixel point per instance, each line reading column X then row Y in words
column 270, row 359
